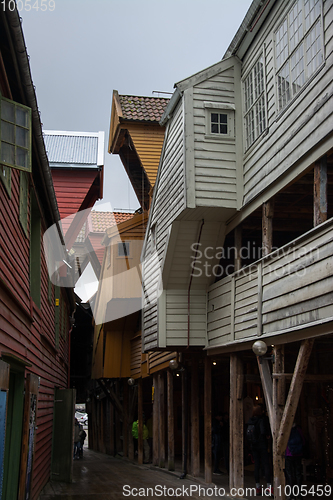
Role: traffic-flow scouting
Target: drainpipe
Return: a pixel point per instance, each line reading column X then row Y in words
column 189, row 290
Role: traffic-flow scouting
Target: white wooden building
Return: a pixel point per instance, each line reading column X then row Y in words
column 247, row 164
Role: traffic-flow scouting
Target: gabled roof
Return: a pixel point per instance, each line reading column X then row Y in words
column 136, row 221
column 74, row 149
column 137, row 108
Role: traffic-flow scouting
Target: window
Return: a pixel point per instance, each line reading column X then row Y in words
column 298, row 48
column 220, row 120
column 254, row 103
column 219, row 123
column 124, row 249
column 5, row 174
column 15, row 134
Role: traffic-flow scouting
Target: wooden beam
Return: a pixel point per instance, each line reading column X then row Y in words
column 267, row 385
column 140, row 422
column 125, row 418
column 171, row 423
column 184, row 422
column 155, row 420
column 278, row 404
column 238, row 248
column 208, row 419
column 236, row 473
column 267, row 227
column 161, row 418
column 294, row 394
column 195, row 440
column 320, row 192
column 308, row 377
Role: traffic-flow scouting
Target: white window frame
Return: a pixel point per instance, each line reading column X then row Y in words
column 219, row 108
column 295, row 52
column 258, row 99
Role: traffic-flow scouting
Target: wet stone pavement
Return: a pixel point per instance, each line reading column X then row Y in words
column 102, row 477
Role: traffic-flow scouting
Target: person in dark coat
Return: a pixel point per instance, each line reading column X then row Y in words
column 258, row 434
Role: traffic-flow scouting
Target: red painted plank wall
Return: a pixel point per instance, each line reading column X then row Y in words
column 34, row 342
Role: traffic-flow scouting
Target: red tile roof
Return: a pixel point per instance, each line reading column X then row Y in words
column 142, row 108
column 98, row 222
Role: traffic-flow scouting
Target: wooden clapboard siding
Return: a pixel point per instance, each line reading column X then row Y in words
column 136, row 356
column 159, row 360
column 148, row 142
column 71, row 188
column 215, row 160
column 288, row 140
column 297, row 291
column 168, row 204
column 177, row 318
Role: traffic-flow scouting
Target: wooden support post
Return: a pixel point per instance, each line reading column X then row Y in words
column 184, row 421
column 236, row 475
column 238, row 248
column 208, row 419
column 267, row 227
column 171, row 424
column 278, row 404
column 125, row 418
column 140, row 423
column 155, row 420
column 294, row 394
column 161, row 419
column 267, row 385
column 320, row 192
column 195, row 441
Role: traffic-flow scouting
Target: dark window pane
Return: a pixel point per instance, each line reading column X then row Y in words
column 7, row 132
column 21, row 157
column 215, row 128
column 223, row 129
column 214, row 117
column 22, row 137
column 7, row 153
column 223, row 118
column 8, row 111
column 123, row 249
column 21, row 117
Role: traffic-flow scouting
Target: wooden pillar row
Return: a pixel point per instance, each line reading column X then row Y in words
column 171, row 423
column 125, row 418
column 161, row 418
column 195, row 440
column 236, row 474
column 140, row 422
column 278, row 404
column 155, row 420
column 208, row 419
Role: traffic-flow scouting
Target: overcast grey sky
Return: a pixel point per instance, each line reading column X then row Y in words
column 84, row 49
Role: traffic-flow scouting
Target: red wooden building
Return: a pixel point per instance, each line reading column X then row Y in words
column 34, row 313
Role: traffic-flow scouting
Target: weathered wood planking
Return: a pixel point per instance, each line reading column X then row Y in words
column 297, row 289
column 287, row 140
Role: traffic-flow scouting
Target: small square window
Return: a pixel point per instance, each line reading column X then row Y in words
column 124, row 249
column 219, row 123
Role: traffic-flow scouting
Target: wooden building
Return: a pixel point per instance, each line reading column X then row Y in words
column 34, row 313
column 241, row 219
column 136, row 135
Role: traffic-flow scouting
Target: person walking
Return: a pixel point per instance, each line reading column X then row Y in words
column 145, row 435
column 258, row 435
column 77, row 439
